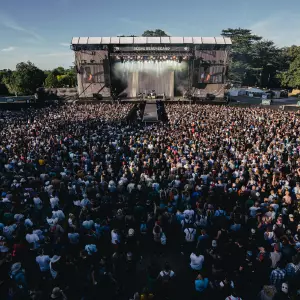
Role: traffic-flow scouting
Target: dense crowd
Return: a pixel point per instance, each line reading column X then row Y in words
column 202, row 206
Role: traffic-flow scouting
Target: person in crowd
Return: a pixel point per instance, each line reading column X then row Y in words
column 85, row 190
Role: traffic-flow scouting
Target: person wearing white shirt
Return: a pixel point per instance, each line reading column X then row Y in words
column 58, row 214
column 85, row 201
column 73, row 237
column 8, row 231
column 196, row 261
column 54, row 202
column 233, row 297
column 38, row 204
column 189, row 212
column 115, row 238
column 43, row 261
column 39, row 233
column 190, row 234
column 28, row 223
column 32, row 239
column 18, row 217
column 88, row 224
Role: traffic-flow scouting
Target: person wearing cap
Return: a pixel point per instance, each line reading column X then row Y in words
column 43, row 261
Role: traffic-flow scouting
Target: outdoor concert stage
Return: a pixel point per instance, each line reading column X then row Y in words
column 135, row 67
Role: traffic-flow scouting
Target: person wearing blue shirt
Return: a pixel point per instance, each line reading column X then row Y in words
column 201, row 284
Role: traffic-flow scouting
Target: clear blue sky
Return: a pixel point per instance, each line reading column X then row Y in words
column 41, row 30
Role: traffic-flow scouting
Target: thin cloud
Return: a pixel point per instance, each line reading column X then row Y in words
column 65, row 44
column 280, row 28
column 9, row 23
column 130, row 21
column 56, row 54
column 8, row 49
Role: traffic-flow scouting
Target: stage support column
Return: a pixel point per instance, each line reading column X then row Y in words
column 135, row 84
column 172, row 78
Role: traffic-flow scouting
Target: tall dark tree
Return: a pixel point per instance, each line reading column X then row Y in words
column 156, row 32
column 241, row 53
column 254, row 61
column 25, row 79
column 291, row 76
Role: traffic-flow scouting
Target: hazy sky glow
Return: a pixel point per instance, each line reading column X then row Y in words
column 41, row 31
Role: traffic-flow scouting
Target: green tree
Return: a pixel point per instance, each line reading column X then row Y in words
column 4, row 73
column 25, row 79
column 241, row 53
column 269, row 59
column 291, row 77
column 254, row 61
column 51, row 81
column 59, row 71
column 156, row 32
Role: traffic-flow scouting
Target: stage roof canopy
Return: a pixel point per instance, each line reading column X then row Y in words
column 150, row 40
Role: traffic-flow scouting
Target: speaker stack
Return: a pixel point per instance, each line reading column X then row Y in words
column 98, row 96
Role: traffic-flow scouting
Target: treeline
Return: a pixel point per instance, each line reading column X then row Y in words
column 254, row 61
column 259, row 62
column 27, row 78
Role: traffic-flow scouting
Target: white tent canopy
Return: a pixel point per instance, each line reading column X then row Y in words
column 234, row 92
column 255, row 90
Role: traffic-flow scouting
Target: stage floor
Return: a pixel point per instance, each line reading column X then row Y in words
column 150, row 112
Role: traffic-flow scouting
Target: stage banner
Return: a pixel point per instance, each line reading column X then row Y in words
column 151, row 48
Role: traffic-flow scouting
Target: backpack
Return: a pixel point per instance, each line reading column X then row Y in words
column 189, row 235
